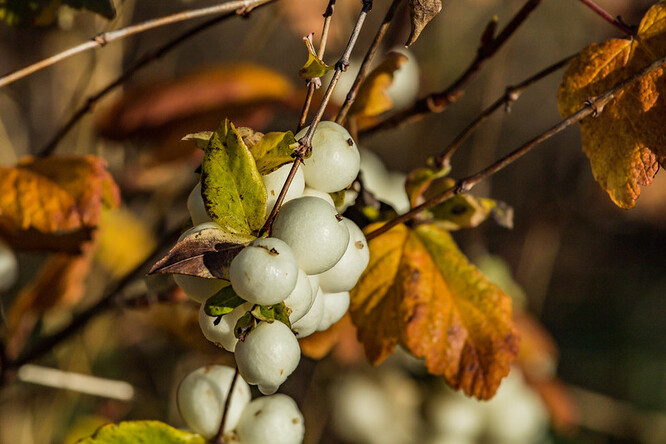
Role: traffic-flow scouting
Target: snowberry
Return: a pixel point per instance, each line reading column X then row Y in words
column 271, row 419
column 268, row 355
column 275, row 181
column 455, row 415
column 404, row 89
column 385, row 185
column 196, row 207
column 300, row 300
column 344, row 275
column 308, row 324
column 8, row 267
column 335, row 160
column 314, row 284
column 314, row 231
column 220, row 329
column 201, row 397
column 264, row 272
column 335, row 307
column 320, row 194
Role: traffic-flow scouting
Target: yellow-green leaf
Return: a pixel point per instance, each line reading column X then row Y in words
column 625, row 142
column 314, row 67
column 467, row 211
column 273, row 150
column 223, row 302
column 372, row 98
column 231, row 186
column 421, row 292
column 134, row 432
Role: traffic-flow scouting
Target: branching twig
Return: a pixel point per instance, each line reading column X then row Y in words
column 365, row 65
column 594, row 106
column 609, row 18
column 437, row 102
column 313, row 83
column 128, row 73
column 305, row 143
column 219, row 438
column 100, row 40
column 511, row 94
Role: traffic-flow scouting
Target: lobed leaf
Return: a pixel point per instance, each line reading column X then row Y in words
column 231, row 186
column 625, row 142
column 207, row 254
column 132, row 432
column 421, row 292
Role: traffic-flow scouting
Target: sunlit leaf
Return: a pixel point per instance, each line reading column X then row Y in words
column 231, row 186
column 421, row 292
column 314, row 67
column 206, row 253
column 625, row 142
column 133, row 432
column 372, row 98
column 421, row 12
column 200, row 139
column 223, row 302
column 273, row 150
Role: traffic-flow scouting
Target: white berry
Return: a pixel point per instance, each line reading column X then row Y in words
column 201, row 397
column 300, row 300
column 268, row 355
column 404, row 89
column 335, row 160
column 335, row 307
column 320, row 194
column 196, row 207
column 308, row 324
column 220, row 329
column 8, row 267
column 271, row 419
column 275, row 181
column 265, row 272
column 344, row 275
column 311, row 227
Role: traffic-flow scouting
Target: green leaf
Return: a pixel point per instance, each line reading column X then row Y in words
column 231, row 186
column 135, row 432
column 244, row 326
column 44, row 12
column 223, row 302
column 273, row 151
column 314, row 67
column 104, row 8
column 466, row 211
column 338, row 197
column 270, row 313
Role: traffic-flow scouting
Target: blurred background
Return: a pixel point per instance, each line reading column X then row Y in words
column 589, row 273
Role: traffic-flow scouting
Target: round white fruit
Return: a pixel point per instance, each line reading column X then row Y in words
column 271, row 419
column 314, row 231
column 196, row 207
column 300, row 300
column 314, row 284
column 320, row 194
column 404, row 89
column 8, row 267
column 335, row 161
column 220, row 329
column 201, row 397
column 335, row 307
column 344, row 275
column 308, row 324
column 269, row 354
column 456, row 415
column 264, row 272
column 275, row 181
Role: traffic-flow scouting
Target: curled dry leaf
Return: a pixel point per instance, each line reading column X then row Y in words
column 372, row 98
column 53, row 203
column 314, row 66
column 625, row 142
column 206, row 253
column 421, row 11
column 421, row 292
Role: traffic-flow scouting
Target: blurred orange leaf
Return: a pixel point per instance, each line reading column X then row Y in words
column 372, row 98
column 53, row 203
column 626, row 141
column 339, row 338
column 420, row 291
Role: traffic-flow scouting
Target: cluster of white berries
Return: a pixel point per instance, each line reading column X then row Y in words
column 312, row 259
column 201, row 400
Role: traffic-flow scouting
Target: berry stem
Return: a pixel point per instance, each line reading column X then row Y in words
column 219, row 438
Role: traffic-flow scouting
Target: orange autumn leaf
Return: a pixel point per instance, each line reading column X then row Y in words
column 52, row 203
column 372, row 98
column 340, row 339
column 628, row 139
column 421, row 292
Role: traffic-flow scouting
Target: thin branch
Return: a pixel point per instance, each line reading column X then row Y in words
column 219, row 438
column 313, row 84
column 127, row 74
column 593, row 107
column 615, row 21
column 305, row 142
column 511, row 94
column 100, row 40
column 365, row 65
column 437, row 102
column 111, row 298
